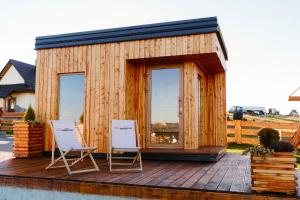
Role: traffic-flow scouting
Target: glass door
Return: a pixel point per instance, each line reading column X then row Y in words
column 164, row 106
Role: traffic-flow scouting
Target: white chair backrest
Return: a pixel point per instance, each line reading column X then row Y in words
column 65, row 134
column 123, row 134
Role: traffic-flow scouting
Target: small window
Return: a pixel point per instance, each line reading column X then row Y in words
column 71, row 101
column 11, row 103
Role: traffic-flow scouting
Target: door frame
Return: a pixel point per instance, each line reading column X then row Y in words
column 148, row 80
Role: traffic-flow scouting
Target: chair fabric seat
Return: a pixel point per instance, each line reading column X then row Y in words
column 84, row 148
column 125, row 149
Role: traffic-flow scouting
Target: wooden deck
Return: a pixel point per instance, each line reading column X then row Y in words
column 208, row 153
column 229, row 178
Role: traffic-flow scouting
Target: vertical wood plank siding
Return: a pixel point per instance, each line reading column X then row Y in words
column 115, row 87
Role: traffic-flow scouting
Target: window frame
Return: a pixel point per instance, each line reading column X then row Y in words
column 59, row 89
column 148, row 76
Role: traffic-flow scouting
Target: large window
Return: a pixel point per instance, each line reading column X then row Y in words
column 71, row 95
column 164, row 106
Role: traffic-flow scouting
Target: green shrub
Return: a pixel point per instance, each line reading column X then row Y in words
column 9, row 132
column 267, row 136
column 257, row 151
column 282, row 146
column 29, row 115
column 297, row 159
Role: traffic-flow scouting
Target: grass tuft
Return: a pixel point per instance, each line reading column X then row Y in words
column 237, row 148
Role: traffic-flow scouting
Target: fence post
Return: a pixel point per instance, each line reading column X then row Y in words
column 237, row 131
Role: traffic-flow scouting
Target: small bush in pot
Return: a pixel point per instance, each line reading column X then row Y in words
column 29, row 115
column 28, row 136
column 267, row 136
column 271, row 162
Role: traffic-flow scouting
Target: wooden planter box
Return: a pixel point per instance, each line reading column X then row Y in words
column 275, row 173
column 28, row 140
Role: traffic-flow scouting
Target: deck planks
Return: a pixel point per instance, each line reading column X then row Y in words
column 231, row 175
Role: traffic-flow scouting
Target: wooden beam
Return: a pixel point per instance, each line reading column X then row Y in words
column 294, row 98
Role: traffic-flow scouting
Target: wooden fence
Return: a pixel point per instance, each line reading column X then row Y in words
column 245, row 132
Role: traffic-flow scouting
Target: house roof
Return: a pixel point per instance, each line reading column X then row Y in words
column 27, row 71
column 166, row 29
column 6, row 90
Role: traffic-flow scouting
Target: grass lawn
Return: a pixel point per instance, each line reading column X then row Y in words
column 237, row 148
column 298, row 158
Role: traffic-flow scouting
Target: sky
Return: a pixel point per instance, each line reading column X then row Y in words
column 262, row 37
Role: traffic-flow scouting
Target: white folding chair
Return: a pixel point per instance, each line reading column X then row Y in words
column 64, row 135
column 124, row 138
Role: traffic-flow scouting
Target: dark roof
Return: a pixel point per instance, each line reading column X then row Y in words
column 166, row 29
column 6, row 90
column 27, row 72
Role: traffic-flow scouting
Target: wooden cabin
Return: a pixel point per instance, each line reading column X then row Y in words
column 17, row 87
column 170, row 77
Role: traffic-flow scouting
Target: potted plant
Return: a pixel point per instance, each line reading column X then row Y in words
column 28, row 136
column 273, row 164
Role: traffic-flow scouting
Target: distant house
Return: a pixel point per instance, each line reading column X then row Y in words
column 17, row 86
column 273, row 111
column 252, row 110
column 294, row 113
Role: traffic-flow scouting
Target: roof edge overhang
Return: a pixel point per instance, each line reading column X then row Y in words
column 293, row 97
column 5, row 68
column 140, row 32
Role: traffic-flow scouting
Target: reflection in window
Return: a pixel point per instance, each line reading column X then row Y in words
column 165, row 106
column 71, row 96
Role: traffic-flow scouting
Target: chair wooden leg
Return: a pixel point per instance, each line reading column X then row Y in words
column 94, row 162
column 135, row 159
column 65, row 161
column 57, row 159
column 86, row 170
column 79, row 159
column 110, row 162
column 140, row 159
